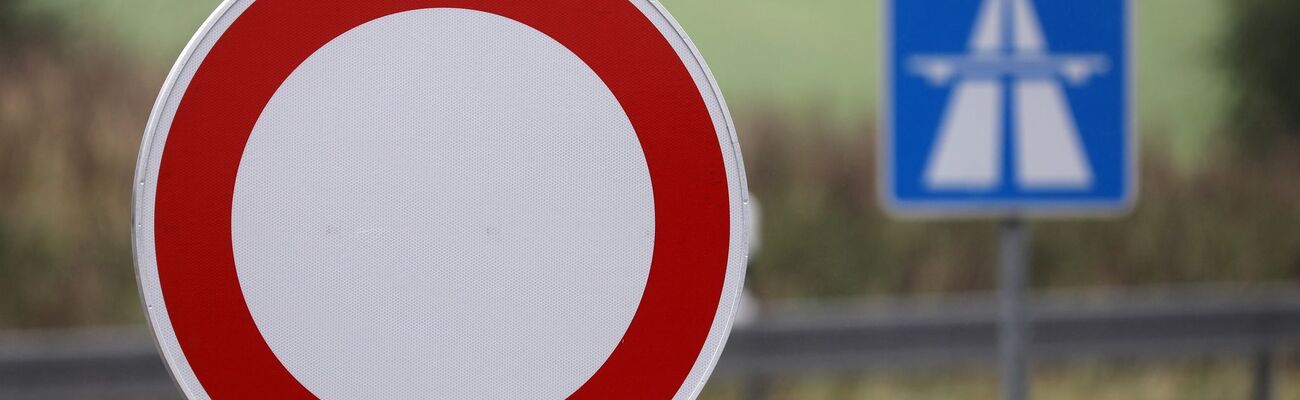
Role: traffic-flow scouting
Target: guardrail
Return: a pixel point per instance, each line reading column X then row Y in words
column 112, row 363
column 800, row 339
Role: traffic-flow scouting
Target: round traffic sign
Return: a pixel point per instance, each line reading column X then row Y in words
column 440, row 199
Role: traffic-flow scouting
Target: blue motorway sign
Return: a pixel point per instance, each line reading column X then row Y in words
column 1007, row 107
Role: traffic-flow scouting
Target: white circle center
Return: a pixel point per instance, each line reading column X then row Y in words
column 443, row 203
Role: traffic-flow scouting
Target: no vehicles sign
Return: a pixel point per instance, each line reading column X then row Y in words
column 447, row 199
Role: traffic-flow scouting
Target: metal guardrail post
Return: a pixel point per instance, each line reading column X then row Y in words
column 757, row 387
column 1263, row 374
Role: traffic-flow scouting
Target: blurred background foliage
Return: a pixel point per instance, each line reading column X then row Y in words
column 1262, row 53
column 68, row 112
column 77, row 80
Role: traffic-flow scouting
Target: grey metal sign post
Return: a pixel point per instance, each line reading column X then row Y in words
column 1013, row 328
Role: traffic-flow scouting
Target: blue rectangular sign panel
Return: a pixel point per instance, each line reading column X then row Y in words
column 1007, row 107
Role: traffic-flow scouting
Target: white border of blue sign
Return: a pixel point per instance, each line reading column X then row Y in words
column 989, row 209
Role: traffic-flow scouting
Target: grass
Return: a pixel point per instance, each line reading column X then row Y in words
column 820, row 56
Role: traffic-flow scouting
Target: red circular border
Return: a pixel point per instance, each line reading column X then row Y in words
column 272, row 38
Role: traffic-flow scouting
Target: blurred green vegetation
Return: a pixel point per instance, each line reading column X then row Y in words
column 70, row 119
column 20, row 26
column 1264, row 72
column 793, row 57
column 824, row 236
